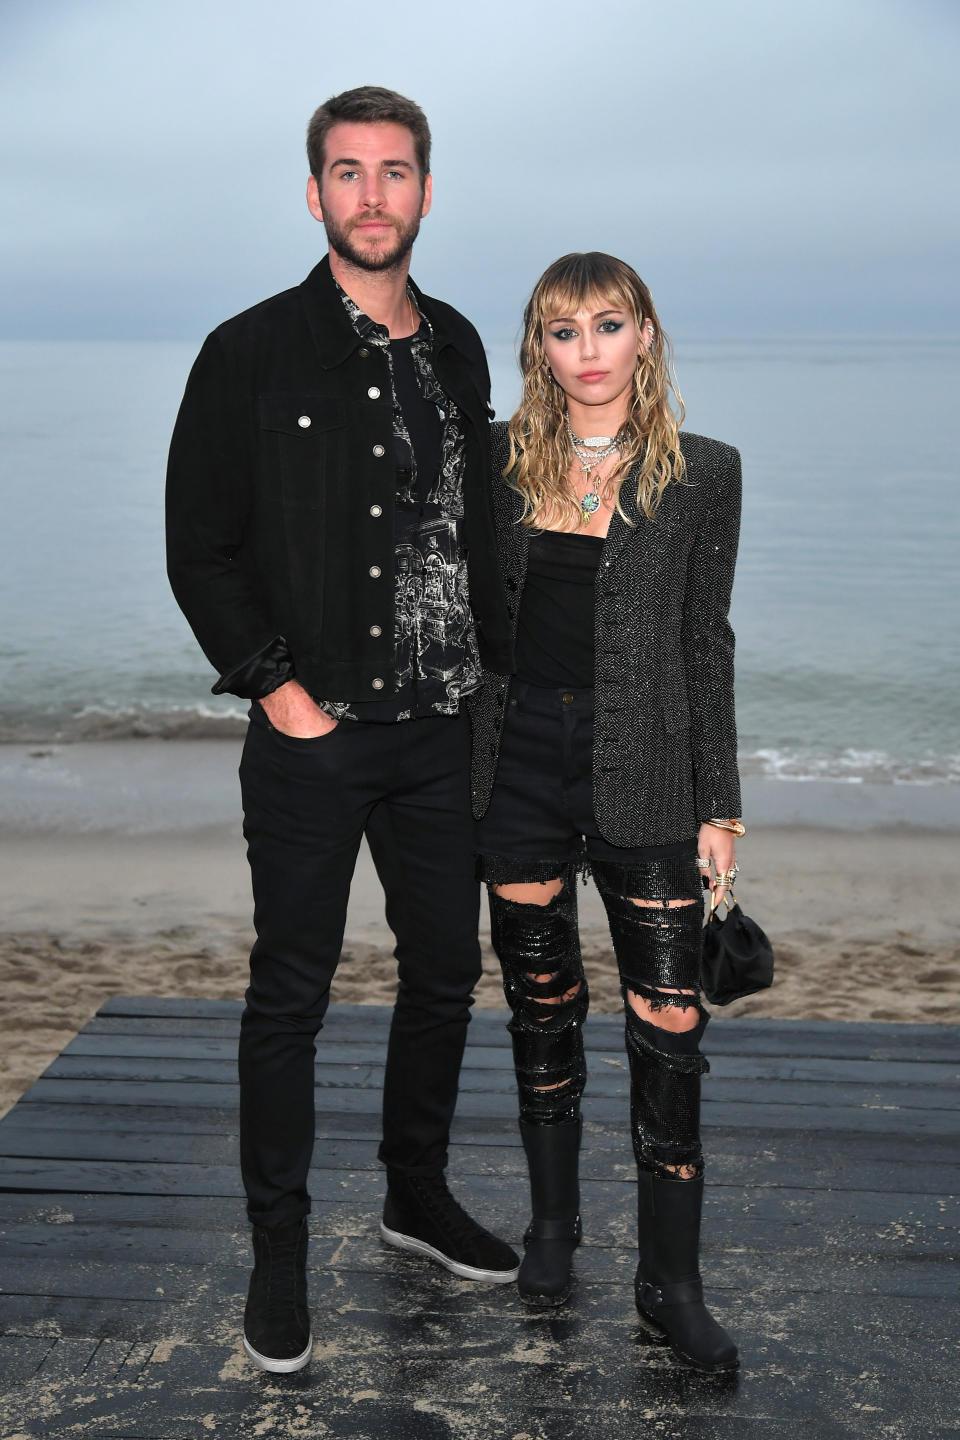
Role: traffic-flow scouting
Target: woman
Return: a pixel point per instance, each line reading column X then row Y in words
column 611, row 747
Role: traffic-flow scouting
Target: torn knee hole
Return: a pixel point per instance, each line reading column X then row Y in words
column 675, row 1010
column 692, row 1170
column 530, row 892
column 563, row 999
column 660, row 904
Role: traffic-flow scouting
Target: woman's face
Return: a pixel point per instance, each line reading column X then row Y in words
column 593, row 354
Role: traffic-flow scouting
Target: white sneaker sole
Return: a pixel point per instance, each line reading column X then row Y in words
column 278, row 1367
column 456, row 1267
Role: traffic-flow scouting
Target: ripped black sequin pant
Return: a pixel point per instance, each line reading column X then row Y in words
column 540, row 827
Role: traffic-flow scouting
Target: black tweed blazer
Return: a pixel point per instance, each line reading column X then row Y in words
column 665, row 752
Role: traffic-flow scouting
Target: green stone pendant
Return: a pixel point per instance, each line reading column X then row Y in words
column 589, row 505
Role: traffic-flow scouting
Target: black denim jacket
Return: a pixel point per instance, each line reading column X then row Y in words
column 281, row 489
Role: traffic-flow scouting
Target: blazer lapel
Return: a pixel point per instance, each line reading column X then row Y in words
column 621, row 535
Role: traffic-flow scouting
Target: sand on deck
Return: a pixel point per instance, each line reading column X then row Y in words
column 123, row 872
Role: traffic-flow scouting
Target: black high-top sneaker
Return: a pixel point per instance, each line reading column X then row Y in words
column 276, row 1322
column 421, row 1215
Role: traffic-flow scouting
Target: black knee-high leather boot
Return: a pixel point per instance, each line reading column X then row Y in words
column 532, row 941
column 665, row 1070
column 553, row 1157
column 669, row 1291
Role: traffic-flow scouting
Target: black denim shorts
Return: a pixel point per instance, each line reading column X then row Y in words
column 541, row 810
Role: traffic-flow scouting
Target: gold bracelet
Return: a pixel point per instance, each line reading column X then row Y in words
column 736, row 827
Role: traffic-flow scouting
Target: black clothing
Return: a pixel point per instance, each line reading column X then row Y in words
column 665, row 749
column 307, row 803
column 541, row 809
column 555, row 625
column 626, row 770
column 435, row 659
column 282, row 514
column 279, row 459
column 424, row 426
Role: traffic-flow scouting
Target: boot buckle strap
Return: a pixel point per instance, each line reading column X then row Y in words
column 553, row 1230
column 682, row 1292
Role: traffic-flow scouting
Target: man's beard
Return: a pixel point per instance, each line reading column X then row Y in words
column 386, row 255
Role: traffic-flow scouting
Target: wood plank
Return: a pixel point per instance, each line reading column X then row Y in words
column 864, row 1040
column 772, row 1221
column 763, row 1317
column 857, row 1162
column 741, row 1110
column 605, row 1082
column 606, row 1154
column 91, row 1045
column 338, row 1261
column 913, row 1162
column 22, row 1355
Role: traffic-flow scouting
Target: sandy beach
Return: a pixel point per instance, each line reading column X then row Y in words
column 123, row 872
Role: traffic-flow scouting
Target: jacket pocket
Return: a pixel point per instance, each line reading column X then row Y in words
column 299, row 415
column 301, row 443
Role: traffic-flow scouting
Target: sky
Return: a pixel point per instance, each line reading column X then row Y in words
column 768, row 168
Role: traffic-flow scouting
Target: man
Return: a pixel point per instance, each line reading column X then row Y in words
column 331, row 543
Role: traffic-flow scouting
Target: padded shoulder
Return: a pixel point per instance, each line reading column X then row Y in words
column 499, row 448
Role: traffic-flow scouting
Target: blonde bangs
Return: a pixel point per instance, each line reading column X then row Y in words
column 539, row 448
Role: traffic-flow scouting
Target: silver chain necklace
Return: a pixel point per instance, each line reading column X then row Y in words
column 591, row 451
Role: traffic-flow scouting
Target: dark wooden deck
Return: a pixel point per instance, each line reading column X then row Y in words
column 831, row 1246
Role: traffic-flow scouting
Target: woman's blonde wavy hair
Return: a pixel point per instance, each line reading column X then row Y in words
column 540, row 450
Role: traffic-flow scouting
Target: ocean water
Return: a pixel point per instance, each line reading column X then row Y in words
column 846, row 603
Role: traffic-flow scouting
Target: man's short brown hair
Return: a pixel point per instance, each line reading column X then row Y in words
column 371, row 105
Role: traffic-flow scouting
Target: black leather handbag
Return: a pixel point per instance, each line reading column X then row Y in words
column 737, row 957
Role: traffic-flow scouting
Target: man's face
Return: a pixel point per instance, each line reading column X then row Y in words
column 371, row 196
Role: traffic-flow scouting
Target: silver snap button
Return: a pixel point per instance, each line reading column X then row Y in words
column 377, row 684
column 378, row 450
column 364, row 351
column 374, row 392
column 375, row 630
column 304, row 422
column 375, row 571
column 376, row 511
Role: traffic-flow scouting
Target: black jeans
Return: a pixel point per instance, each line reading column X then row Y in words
column 540, row 826
column 541, row 810
column 306, row 805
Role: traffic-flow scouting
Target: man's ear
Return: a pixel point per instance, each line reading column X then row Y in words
column 313, row 199
column 427, row 196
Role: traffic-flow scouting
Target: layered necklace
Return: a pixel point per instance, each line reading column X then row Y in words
column 591, row 451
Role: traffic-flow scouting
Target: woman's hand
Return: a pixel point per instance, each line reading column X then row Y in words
column 718, row 847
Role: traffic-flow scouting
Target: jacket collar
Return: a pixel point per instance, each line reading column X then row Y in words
column 334, row 336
